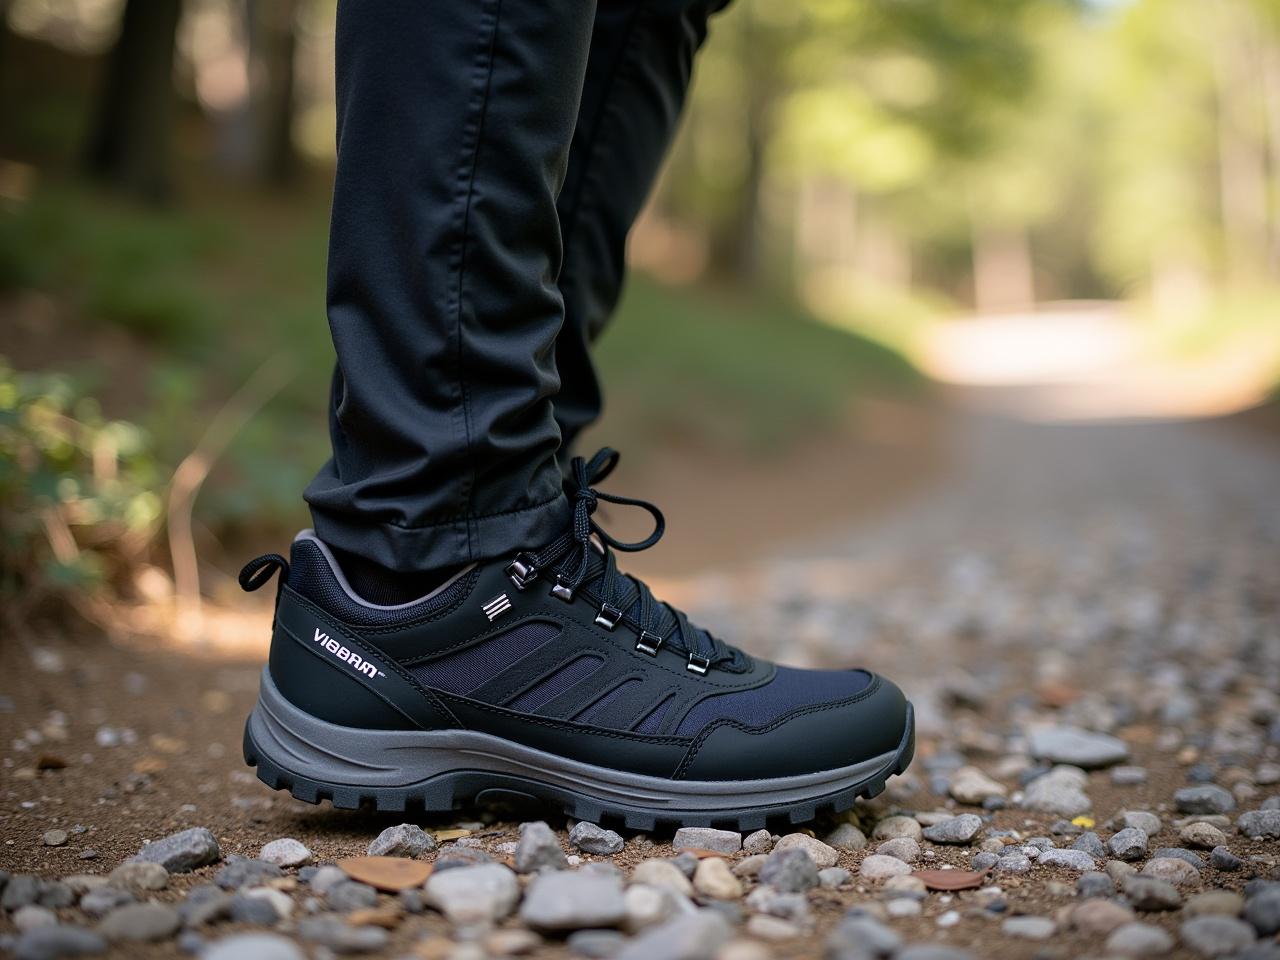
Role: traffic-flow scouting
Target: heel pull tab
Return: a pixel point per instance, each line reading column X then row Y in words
column 258, row 572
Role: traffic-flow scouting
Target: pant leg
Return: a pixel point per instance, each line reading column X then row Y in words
column 637, row 76
column 454, row 122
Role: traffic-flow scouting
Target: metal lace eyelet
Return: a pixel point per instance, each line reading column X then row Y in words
column 608, row 616
column 698, row 664
column 521, row 571
column 648, row 643
column 562, row 590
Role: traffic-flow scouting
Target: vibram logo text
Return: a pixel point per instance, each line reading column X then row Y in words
column 347, row 656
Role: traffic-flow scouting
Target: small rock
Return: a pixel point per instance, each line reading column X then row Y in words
column 1260, row 824
column 561, row 901
column 904, row 848
column 243, row 872
column 402, row 840
column 330, row 931
column 833, row 877
column 590, row 838
column 765, row 927
column 750, row 866
column 1262, row 910
column 1029, row 928
column 1217, row 936
column 1142, row 820
column 1202, row 836
column 1014, row 863
column 54, row 838
column 32, row 917
column 510, row 943
column 351, row 895
column 1100, row 916
column 662, row 873
column 647, row 906
column 285, row 852
column 762, row 841
column 139, row 876
column 253, row 946
column 1071, row 859
column 706, row 838
column 892, row 827
column 326, row 877
column 1220, row 858
column 1060, row 792
column 1091, row 844
column 1129, row 844
column 956, row 830
column 880, row 867
column 1095, row 884
column 821, row 854
column 140, row 922
column 1204, row 798
column 1139, row 940
column 695, row 936
column 481, row 894
column 255, row 910
column 844, row 837
column 858, row 937
column 1077, row 747
column 52, row 943
column 595, row 944
column 183, row 851
column 714, row 879
column 1223, row 903
column 970, row 785
column 1151, row 894
column 1173, row 869
column 1127, row 776
column 98, row 903
column 538, row 849
column 790, row 870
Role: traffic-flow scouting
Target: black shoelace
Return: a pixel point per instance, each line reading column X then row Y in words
column 582, row 562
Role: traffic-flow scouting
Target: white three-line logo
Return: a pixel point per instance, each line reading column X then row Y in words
column 497, row 606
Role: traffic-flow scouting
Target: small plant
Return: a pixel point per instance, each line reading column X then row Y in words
column 78, row 493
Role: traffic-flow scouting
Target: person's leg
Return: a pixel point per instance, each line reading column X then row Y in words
column 454, row 122
column 637, row 76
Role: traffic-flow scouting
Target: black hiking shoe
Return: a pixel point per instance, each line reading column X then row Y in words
column 551, row 674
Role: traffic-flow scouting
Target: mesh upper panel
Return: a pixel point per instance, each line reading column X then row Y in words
column 463, row 671
column 653, row 719
column 788, row 690
column 598, row 712
column 555, row 683
column 311, row 576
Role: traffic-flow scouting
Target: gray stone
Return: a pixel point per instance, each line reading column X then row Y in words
column 1029, row 928
column 1150, row 893
column 1220, row 858
column 139, row 876
column 1203, row 836
column 32, row 917
column 648, row 905
column 695, row 936
column 833, row 877
column 97, row 903
column 243, row 872
column 183, row 851
column 326, row 877
column 1014, row 863
column 590, row 838
column 1225, row 903
column 54, row 838
column 402, row 840
column 479, row 895
column 351, row 895
column 788, row 906
column 983, row 861
column 329, row 931
column 970, row 785
column 1142, row 820
column 1139, row 940
column 1260, row 824
column 285, row 852
column 1179, row 853
column 561, row 901
column 904, row 848
column 1060, row 792
column 256, row 910
column 859, row 937
column 1204, row 798
column 1100, row 917
column 934, row 951
column 1129, row 844
column 880, row 867
column 790, row 870
column 140, row 922
column 1217, row 936
column 454, row 856
column 595, row 944
column 538, row 849
column 1077, row 747
column 1262, row 910
column 1127, row 776
column 898, row 826
column 1093, row 883
column 206, row 904
column 844, row 837
column 662, row 873
column 819, row 852
column 762, row 842
column 253, row 946
column 706, row 838
column 20, row 890
column 53, row 943
column 1091, row 844
column 1172, row 869
column 1070, row 859
column 956, row 830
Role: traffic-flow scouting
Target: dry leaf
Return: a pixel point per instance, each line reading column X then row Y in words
column 456, row 834
column 391, row 874
column 388, row 917
column 951, row 879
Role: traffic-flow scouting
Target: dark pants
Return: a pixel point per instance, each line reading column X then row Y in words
column 491, row 158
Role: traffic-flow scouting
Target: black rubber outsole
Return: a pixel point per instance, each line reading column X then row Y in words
column 455, row 790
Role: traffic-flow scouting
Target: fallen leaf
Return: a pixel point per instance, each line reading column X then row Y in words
column 386, row 917
column 951, row 879
column 456, row 834
column 1082, row 821
column 391, row 874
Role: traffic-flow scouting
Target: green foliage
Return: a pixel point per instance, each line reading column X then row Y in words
column 78, row 492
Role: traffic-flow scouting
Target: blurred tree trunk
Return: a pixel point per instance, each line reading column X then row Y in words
column 1002, row 272
column 129, row 146
column 272, row 46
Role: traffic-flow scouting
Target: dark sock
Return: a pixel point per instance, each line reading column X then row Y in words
column 384, row 586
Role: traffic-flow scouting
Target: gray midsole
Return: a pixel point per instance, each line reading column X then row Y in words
column 298, row 742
